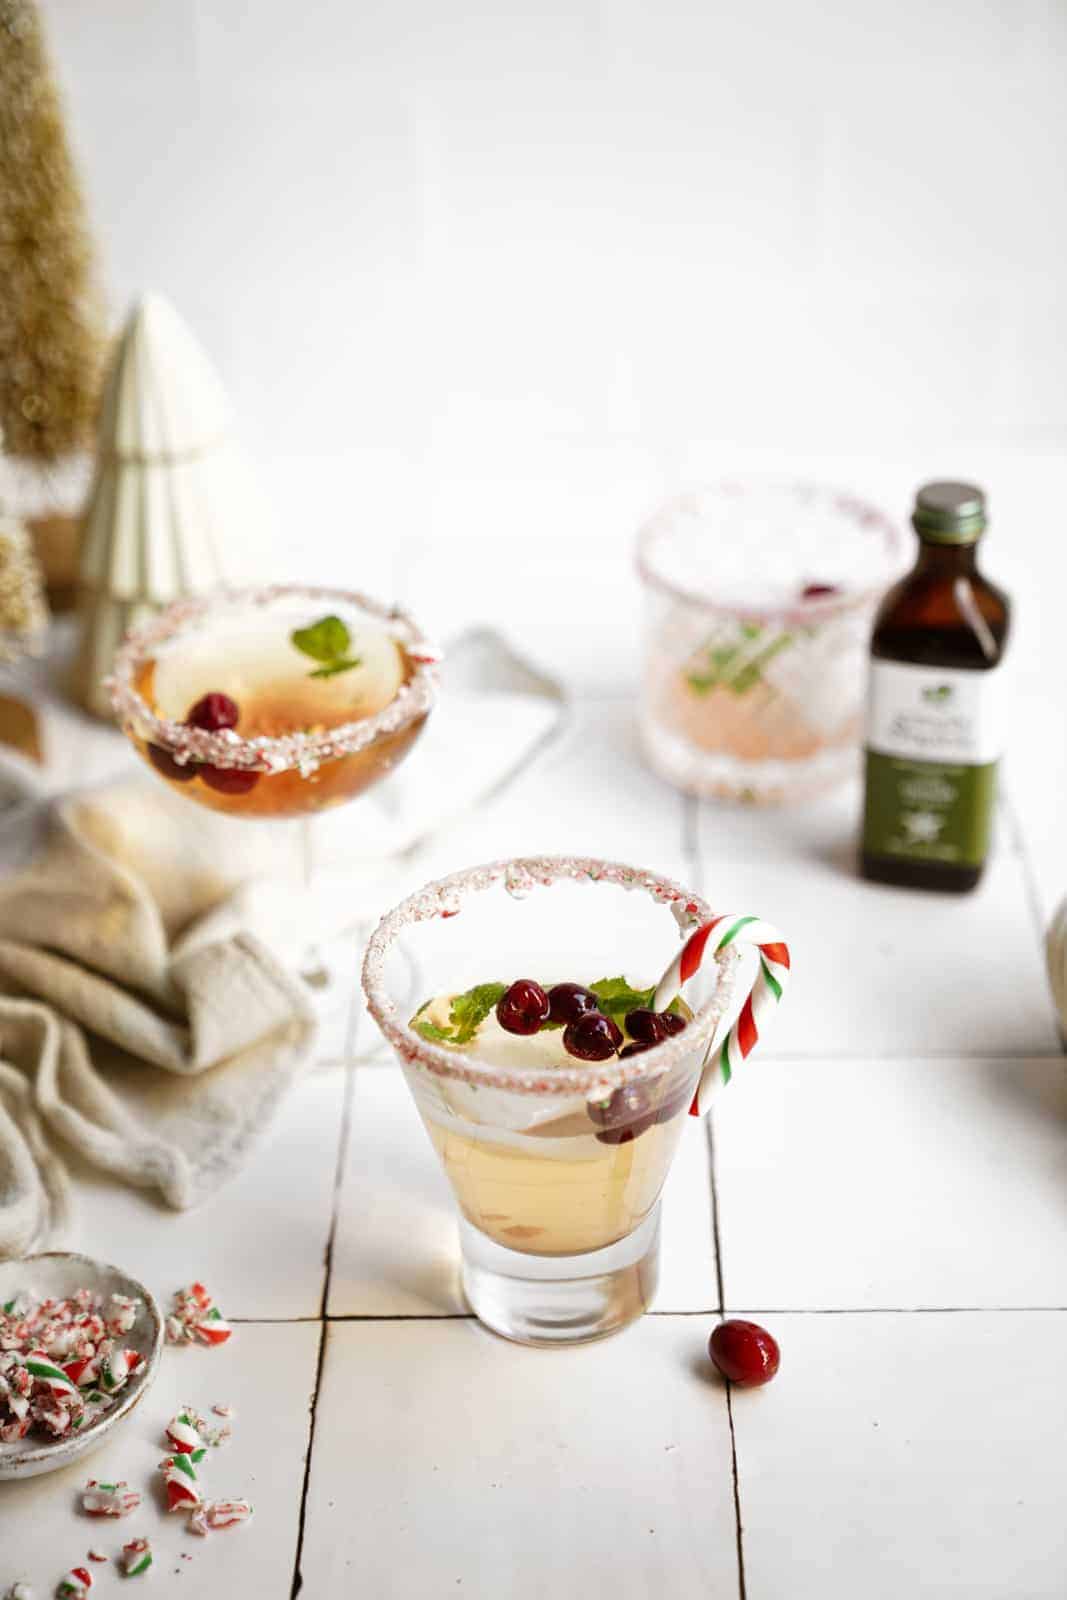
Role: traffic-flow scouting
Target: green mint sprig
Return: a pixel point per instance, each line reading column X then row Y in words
column 726, row 666
column 329, row 642
column 617, row 997
column 467, row 1013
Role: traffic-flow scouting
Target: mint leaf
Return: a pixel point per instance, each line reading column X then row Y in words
column 334, row 667
column 430, row 1030
column 617, row 997
column 468, row 1012
column 326, row 640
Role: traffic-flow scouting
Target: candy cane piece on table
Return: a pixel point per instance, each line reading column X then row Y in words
column 767, row 989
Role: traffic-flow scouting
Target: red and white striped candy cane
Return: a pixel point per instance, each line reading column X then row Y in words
column 767, row 989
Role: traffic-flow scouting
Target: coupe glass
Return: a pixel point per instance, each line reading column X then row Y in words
column 759, row 603
column 307, row 740
column 559, row 1203
column 305, row 751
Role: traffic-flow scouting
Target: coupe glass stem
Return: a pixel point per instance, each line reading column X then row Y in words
column 313, row 968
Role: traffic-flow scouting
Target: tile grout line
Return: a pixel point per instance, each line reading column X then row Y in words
column 327, row 1275
column 741, row 1587
column 663, row 1311
column 691, row 850
column 735, row 1476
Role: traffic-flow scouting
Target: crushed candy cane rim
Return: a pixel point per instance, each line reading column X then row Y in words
column 444, row 898
column 304, row 752
column 867, row 520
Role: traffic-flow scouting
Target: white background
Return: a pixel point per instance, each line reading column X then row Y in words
column 513, row 271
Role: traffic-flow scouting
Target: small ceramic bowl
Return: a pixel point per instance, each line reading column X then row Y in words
column 56, row 1275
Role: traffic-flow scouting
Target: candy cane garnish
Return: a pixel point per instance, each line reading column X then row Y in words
column 767, row 989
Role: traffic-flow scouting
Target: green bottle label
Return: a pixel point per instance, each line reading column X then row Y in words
column 933, row 744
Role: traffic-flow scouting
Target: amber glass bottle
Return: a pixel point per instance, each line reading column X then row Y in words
column 934, row 723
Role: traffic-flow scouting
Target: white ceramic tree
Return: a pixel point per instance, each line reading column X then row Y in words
column 174, row 508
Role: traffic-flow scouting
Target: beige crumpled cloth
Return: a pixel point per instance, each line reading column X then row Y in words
column 98, row 941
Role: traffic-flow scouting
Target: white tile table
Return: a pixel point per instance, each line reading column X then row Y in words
column 885, row 1188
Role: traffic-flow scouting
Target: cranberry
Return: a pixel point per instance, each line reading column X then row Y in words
column 672, row 1021
column 165, row 763
column 624, row 1104
column 646, row 1026
column 592, row 1038
column 624, row 1116
column 637, row 1048
column 213, row 712
column 818, row 591
column 744, row 1352
column 569, row 1001
column 229, row 780
column 523, row 1008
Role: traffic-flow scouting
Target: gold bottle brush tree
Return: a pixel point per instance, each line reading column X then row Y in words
column 52, row 326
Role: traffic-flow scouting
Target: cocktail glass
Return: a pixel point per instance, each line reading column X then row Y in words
column 759, row 603
column 314, row 731
column 556, row 1170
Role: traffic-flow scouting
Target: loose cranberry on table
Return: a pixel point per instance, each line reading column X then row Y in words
column 213, row 713
column 592, row 1038
column 818, row 591
column 569, row 1001
column 523, row 1007
column 744, row 1352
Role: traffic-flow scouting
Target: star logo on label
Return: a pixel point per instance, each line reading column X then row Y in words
column 921, row 826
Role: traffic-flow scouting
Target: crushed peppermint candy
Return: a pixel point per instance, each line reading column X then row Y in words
column 217, row 1514
column 76, row 1584
column 62, row 1362
column 184, row 1436
column 96, row 1555
column 109, row 1499
column 223, row 1410
column 179, row 1477
column 19, row 1591
column 208, row 1433
column 136, row 1557
column 195, row 1316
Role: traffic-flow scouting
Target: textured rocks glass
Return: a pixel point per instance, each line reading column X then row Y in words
column 759, row 598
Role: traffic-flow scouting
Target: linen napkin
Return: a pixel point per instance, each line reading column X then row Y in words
column 149, row 1014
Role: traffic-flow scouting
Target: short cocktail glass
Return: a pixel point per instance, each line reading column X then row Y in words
column 759, row 603
column 314, row 730
column 557, row 1168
